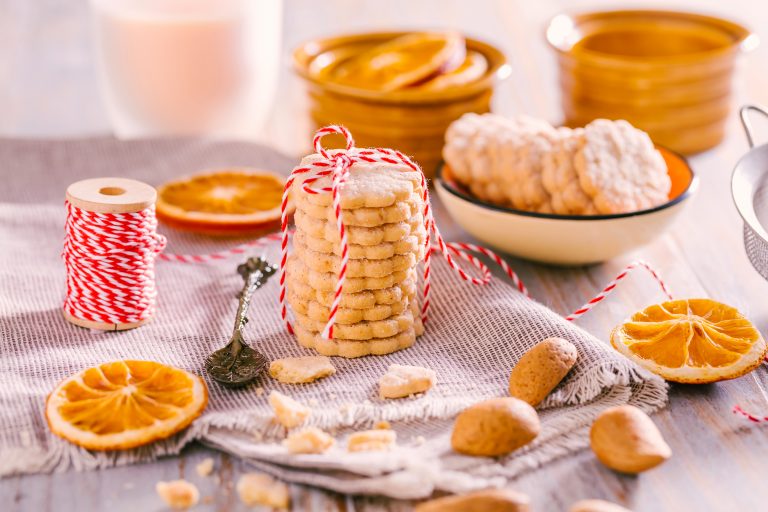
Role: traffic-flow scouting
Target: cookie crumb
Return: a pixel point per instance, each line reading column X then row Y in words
column 308, row 440
column 371, row 440
column 205, row 467
column 406, row 381
column 261, row 489
column 301, row 370
column 178, row 494
column 259, row 391
column 382, row 425
column 288, row 412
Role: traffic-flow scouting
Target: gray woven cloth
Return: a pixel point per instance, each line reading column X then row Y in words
column 474, row 337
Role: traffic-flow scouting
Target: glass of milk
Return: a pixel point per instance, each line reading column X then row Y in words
column 188, row 67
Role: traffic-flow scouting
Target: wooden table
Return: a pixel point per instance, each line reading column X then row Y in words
column 49, row 88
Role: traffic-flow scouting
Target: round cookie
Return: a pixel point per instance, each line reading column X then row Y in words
column 369, row 185
column 351, row 349
column 560, row 178
column 620, row 169
column 361, row 300
column 326, row 281
column 325, row 230
column 413, row 243
column 360, row 331
column 524, row 186
column 365, row 217
column 316, row 311
column 355, row 267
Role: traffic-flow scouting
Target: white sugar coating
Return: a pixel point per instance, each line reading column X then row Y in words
column 620, row 169
column 560, row 178
column 369, row 185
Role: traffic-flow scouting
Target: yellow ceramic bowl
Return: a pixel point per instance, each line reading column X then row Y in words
column 668, row 73
column 566, row 239
column 410, row 120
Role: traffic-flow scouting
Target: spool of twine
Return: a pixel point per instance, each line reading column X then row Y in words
column 110, row 248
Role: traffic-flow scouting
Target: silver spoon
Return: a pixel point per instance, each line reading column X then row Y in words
column 238, row 364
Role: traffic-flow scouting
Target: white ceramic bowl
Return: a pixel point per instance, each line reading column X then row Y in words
column 566, row 239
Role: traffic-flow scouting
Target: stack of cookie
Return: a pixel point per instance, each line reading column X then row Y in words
column 382, row 209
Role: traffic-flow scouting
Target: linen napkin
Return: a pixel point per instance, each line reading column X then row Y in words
column 474, row 336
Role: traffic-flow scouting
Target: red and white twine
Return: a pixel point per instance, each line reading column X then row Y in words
column 110, row 265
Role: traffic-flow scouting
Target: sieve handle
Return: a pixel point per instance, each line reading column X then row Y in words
column 744, row 114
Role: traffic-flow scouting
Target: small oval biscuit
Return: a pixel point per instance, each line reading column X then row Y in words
column 627, row 440
column 495, row 427
column 541, row 369
column 490, row 500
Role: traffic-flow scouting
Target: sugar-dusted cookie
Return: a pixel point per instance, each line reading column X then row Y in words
column 350, row 349
column 413, row 243
column 355, row 267
column 620, row 169
column 318, row 312
column 366, row 217
column 326, row 281
column 360, row 331
column 524, row 188
column 560, row 178
column 365, row 299
column 325, row 230
column 369, row 185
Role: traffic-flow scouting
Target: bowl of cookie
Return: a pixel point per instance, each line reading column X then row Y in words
column 560, row 196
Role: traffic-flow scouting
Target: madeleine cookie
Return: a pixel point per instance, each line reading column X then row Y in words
column 364, row 217
column 620, row 169
column 326, row 281
column 355, row 267
column 412, row 243
column 365, row 299
column 361, row 331
column 560, row 178
column 369, row 185
column 351, row 349
column 316, row 311
column 325, row 230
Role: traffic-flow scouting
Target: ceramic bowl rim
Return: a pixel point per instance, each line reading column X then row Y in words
column 744, row 38
column 451, row 188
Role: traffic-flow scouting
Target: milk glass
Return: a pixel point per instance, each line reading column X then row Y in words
column 203, row 67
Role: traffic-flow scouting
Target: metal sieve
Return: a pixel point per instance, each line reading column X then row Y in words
column 749, row 186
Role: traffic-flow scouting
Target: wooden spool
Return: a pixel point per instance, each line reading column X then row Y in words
column 110, row 195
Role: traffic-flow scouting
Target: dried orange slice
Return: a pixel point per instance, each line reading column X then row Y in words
column 124, row 404
column 691, row 341
column 403, row 61
column 232, row 201
column 472, row 69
